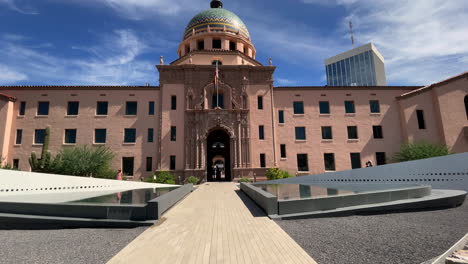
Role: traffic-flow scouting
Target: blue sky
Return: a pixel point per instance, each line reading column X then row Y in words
column 118, row 42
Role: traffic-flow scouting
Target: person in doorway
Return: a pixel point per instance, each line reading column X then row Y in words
column 119, row 175
column 369, row 164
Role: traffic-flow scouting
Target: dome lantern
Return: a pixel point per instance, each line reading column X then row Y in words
column 216, row 4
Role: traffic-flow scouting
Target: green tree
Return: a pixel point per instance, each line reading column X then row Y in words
column 275, row 174
column 420, row 150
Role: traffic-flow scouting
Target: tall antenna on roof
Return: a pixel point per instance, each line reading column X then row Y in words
column 351, row 32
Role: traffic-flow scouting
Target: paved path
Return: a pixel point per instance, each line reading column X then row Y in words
column 217, row 223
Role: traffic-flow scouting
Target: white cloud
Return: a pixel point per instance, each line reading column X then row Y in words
column 19, row 6
column 113, row 61
column 9, row 76
column 284, row 81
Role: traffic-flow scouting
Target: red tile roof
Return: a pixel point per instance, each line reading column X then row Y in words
column 429, row 87
column 7, row 97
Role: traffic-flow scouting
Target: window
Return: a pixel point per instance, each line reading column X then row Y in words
column 283, row 151
column 281, row 116
column 173, row 102
column 298, row 108
column 260, row 102
column 19, row 136
column 420, row 116
column 327, row 132
column 128, row 165
column 151, row 108
column 173, row 133
column 172, row 165
column 352, row 132
column 73, row 108
column 100, row 136
column 217, row 101
column 201, row 45
column 232, row 45
column 261, row 132
column 466, row 106
column 22, row 109
column 374, row 106
column 131, row 108
column 216, row 43
column 43, row 108
column 355, row 160
column 324, row 107
column 70, row 136
column 217, row 62
column 377, row 130
column 380, row 158
column 349, row 107
column 130, row 135
column 150, row 135
column 329, row 159
column 300, row 133
column 101, row 108
column 16, row 164
column 302, row 162
column 262, row 160
column 39, row 136
column 149, row 163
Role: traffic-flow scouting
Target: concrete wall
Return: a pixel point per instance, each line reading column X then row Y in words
column 265, row 200
column 158, row 206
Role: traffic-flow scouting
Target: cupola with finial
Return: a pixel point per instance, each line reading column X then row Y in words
column 216, row 4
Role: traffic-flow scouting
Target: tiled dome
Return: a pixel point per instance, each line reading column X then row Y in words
column 216, row 17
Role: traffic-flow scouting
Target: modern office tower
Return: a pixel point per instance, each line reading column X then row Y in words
column 362, row 66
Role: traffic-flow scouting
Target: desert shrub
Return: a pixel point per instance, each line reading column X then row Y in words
column 164, row 177
column 192, row 179
column 420, row 150
column 275, row 174
column 244, row 179
column 85, row 161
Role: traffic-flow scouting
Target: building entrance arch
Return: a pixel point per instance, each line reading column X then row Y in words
column 218, row 162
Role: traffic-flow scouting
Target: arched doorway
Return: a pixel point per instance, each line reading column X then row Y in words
column 218, row 156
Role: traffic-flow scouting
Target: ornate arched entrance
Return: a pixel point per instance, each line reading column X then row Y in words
column 218, row 161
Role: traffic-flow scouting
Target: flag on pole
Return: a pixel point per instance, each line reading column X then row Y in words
column 216, row 83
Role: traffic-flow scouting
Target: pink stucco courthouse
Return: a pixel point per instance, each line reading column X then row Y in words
column 244, row 124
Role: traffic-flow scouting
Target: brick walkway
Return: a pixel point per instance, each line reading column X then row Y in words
column 217, row 223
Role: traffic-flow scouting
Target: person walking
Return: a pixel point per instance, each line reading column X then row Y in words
column 119, row 175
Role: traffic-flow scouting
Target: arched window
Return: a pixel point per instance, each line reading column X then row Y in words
column 217, row 101
column 466, row 106
column 217, row 61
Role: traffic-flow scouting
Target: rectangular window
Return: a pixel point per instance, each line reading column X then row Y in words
column 232, row 45
column 100, row 136
column 261, row 132
column 15, row 164
column 281, row 116
column 302, row 162
column 73, row 108
column 352, row 132
column 128, row 165
column 173, row 133
column 355, row 160
column 22, row 109
column 172, row 165
column 262, row 160
column 216, row 43
column 374, row 106
column 39, row 136
column 260, row 102
column 101, row 108
column 43, row 108
column 70, row 136
column 377, row 130
column 420, row 116
column 327, row 132
column 130, row 135
column 19, row 136
column 151, row 108
column 283, row 151
column 201, row 45
column 329, row 159
column 298, row 108
column 131, row 108
column 349, row 107
column 380, row 158
column 150, row 135
column 173, row 102
column 300, row 133
column 217, row 101
column 324, row 107
column 149, row 163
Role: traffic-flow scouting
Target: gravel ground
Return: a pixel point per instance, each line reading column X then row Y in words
column 410, row 237
column 64, row 245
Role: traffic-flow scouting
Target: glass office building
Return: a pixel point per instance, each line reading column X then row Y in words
column 362, row 66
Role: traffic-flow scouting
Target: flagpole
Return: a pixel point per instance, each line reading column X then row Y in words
column 217, row 84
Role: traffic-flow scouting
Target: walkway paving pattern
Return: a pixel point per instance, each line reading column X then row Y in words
column 214, row 225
